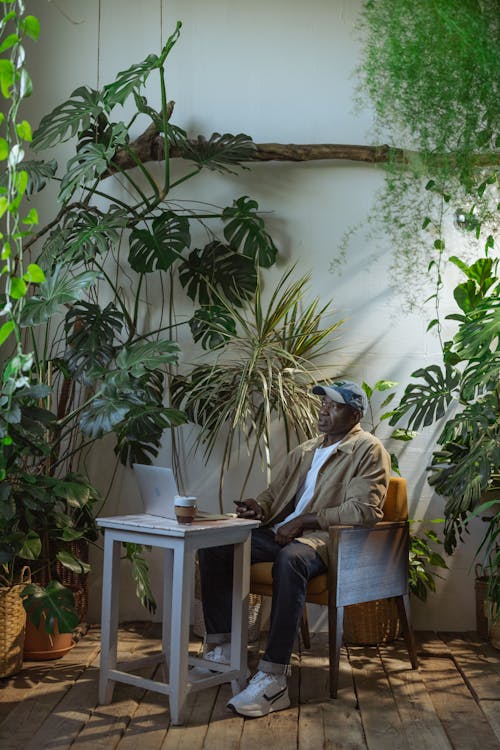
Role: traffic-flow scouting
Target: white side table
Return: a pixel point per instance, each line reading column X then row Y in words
column 180, row 544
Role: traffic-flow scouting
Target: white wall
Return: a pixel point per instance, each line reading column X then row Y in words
column 280, row 71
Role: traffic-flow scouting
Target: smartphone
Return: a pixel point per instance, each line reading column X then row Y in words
column 241, row 503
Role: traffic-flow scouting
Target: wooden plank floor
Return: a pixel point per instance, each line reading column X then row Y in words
column 451, row 701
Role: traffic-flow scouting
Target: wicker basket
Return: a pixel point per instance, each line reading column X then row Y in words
column 12, row 629
column 371, row 622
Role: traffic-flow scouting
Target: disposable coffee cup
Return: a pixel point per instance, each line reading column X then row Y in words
column 185, row 508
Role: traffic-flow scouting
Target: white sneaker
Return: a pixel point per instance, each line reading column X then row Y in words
column 265, row 693
column 219, row 654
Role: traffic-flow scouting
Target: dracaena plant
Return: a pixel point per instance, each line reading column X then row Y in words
column 262, row 372
column 91, row 364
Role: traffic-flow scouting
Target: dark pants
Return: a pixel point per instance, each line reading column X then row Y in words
column 294, row 565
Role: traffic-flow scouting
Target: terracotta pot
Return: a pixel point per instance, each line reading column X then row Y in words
column 41, row 646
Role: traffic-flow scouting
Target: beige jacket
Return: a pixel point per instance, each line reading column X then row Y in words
column 350, row 489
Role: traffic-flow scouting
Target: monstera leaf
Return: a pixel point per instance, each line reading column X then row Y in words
column 83, row 236
column 90, row 162
column 479, row 336
column 219, row 153
column 212, row 326
column 143, row 356
column 54, row 602
column 425, row 402
column 90, row 335
column 245, row 232
column 64, row 122
column 132, row 79
column 163, row 245
column 217, row 269
column 59, row 289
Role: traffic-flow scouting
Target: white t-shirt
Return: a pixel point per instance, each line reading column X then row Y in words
column 306, row 492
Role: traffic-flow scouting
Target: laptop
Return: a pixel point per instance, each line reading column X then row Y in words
column 158, row 489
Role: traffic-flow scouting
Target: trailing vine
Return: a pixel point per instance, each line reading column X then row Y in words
column 15, row 85
column 431, row 71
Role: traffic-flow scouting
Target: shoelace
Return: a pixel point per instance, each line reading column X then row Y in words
column 258, row 683
column 217, row 654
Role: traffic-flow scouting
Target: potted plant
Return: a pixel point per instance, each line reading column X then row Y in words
column 490, row 551
column 108, row 373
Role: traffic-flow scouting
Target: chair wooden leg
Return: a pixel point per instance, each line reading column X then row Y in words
column 304, row 629
column 403, row 604
column 335, row 632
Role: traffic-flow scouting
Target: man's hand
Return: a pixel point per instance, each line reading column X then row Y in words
column 295, row 528
column 249, row 508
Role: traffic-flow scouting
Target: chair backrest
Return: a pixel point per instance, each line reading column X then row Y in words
column 396, row 501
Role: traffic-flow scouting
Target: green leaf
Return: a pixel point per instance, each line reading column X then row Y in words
column 6, row 77
column 91, row 334
column 17, row 288
column 384, row 385
column 163, row 245
column 404, row 435
column 77, row 113
column 31, row 27
column 73, row 563
column 54, row 602
column 245, row 232
column 24, row 131
column 31, row 219
column 32, row 546
column 219, row 152
column 215, row 271
column 427, row 401
column 140, row 574
column 129, row 80
column 6, row 330
column 90, row 162
column 434, row 322
column 212, row 326
column 58, row 290
column 8, row 42
column 4, row 149
column 34, row 274
column 141, row 356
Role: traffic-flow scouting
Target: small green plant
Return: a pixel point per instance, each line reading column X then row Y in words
column 423, row 562
column 490, row 550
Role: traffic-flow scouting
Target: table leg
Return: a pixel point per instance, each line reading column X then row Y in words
column 239, row 623
column 182, row 583
column 168, row 575
column 109, row 616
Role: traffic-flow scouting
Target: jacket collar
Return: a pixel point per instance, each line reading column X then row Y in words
column 348, row 442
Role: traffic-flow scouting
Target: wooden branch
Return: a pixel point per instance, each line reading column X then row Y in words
column 318, row 151
column 149, row 147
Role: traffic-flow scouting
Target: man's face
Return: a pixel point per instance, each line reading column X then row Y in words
column 335, row 418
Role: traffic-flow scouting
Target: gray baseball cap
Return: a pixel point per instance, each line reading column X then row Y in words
column 344, row 392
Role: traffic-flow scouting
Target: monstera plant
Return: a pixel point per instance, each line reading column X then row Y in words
column 86, row 361
column 464, row 392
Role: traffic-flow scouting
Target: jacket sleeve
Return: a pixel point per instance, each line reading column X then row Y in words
column 365, row 491
column 268, row 498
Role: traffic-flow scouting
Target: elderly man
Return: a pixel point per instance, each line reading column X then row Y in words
column 340, row 477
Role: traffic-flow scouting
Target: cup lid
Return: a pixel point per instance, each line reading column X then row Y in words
column 186, row 501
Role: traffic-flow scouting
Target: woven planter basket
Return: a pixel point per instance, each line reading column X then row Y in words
column 371, row 622
column 12, row 629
